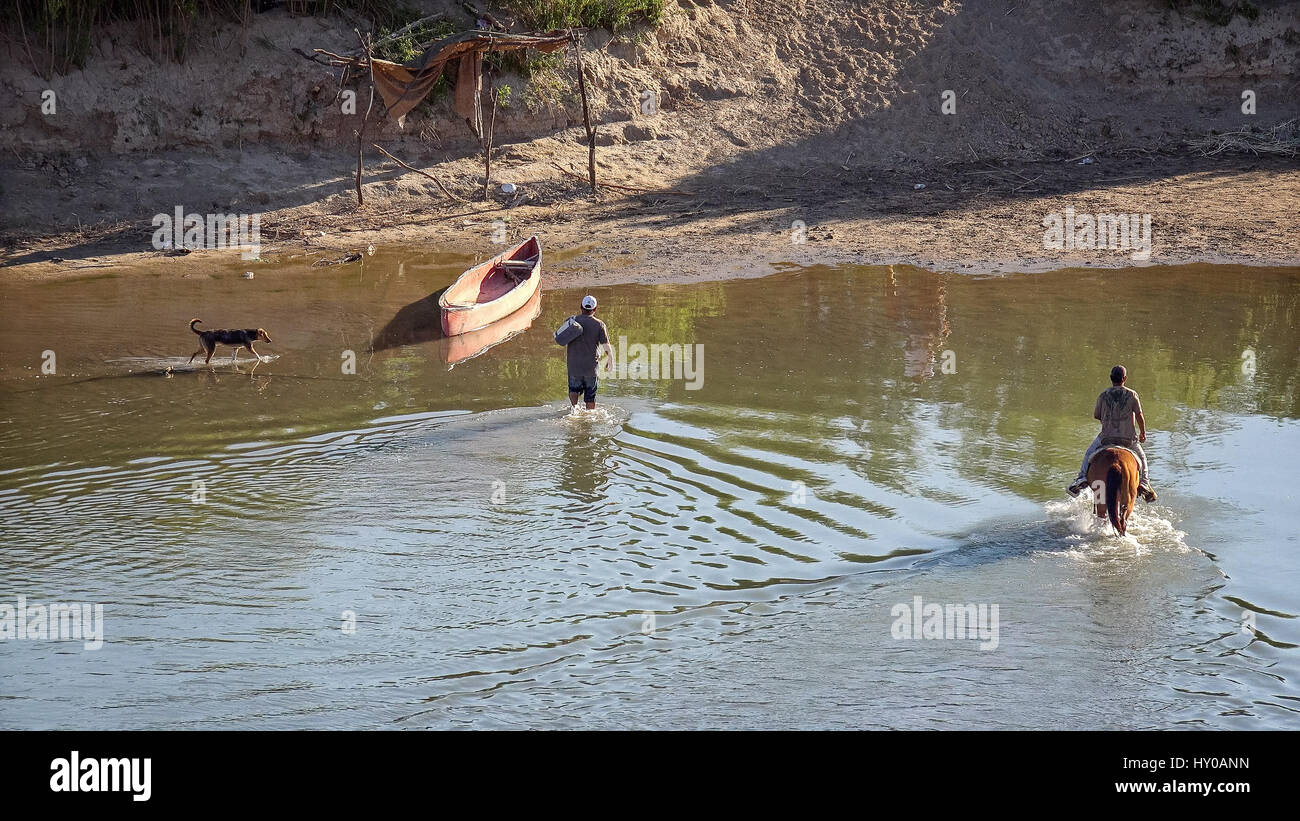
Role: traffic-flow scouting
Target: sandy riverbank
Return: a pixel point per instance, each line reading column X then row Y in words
column 1240, row 212
column 779, row 134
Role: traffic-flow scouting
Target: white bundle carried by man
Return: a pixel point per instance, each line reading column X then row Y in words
column 569, row 331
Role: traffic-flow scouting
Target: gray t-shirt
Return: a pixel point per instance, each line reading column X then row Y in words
column 582, row 351
column 1115, row 408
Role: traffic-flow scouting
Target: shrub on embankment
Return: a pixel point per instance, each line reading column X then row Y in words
column 56, row 36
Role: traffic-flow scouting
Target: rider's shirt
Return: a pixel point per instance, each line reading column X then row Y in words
column 1116, row 407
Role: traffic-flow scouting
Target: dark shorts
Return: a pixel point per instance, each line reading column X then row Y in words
column 585, row 385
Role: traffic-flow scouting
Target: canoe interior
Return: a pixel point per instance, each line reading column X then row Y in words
column 494, row 278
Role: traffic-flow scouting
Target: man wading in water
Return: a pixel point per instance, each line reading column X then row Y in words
column 583, row 353
column 1118, row 407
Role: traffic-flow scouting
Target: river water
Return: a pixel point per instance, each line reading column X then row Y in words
column 296, row 545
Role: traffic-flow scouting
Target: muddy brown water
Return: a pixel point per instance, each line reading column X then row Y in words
column 738, row 552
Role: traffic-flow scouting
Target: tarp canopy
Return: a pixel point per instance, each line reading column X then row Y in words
column 402, row 87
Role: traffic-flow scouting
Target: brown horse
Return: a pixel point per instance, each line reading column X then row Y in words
column 1113, row 477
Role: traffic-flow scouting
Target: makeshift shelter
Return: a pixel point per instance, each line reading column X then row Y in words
column 402, row 87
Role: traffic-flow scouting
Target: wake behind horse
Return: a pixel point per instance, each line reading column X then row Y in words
column 1113, row 477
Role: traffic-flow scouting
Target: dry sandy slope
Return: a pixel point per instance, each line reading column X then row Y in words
column 823, row 111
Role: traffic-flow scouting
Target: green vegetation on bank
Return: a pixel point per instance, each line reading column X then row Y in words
column 1219, row 12
column 615, row 15
column 56, row 36
column 410, row 44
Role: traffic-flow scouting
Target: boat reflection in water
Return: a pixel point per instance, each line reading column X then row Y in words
column 492, row 290
column 466, row 346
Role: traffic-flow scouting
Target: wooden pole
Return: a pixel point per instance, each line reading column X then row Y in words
column 491, row 129
column 361, row 132
column 586, row 115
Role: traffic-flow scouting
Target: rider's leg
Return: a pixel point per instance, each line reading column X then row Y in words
column 1143, row 480
column 1087, row 457
column 1081, row 481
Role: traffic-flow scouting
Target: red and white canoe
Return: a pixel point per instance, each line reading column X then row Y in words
column 492, row 290
column 457, row 349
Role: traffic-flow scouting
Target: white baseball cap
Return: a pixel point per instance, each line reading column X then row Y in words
column 588, row 302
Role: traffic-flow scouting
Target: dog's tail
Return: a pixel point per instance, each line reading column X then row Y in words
column 194, row 322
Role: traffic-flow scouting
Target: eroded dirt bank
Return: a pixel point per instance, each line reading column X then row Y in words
column 799, row 131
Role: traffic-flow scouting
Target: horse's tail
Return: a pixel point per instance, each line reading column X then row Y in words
column 1114, row 477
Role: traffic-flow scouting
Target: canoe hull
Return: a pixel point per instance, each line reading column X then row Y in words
column 459, row 348
column 485, row 293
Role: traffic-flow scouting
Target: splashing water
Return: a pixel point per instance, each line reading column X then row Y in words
column 599, row 416
column 1149, row 530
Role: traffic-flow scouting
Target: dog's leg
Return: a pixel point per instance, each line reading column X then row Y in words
column 234, row 357
column 196, row 353
column 253, row 351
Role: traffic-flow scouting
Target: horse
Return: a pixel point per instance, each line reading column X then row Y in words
column 1116, row 470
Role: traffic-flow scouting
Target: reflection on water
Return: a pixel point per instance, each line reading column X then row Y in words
column 466, row 346
column 727, row 556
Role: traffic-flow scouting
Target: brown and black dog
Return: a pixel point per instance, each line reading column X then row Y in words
column 237, row 339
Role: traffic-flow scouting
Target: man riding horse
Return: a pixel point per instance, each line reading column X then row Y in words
column 1118, row 408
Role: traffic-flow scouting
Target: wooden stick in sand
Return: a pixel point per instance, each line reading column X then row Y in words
column 441, row 187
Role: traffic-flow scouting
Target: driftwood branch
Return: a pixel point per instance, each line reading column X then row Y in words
column 441, row 187
column 315, row 58
column 336, row 59
column 492, row 21
column 1283, row 138
column 404, row 29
